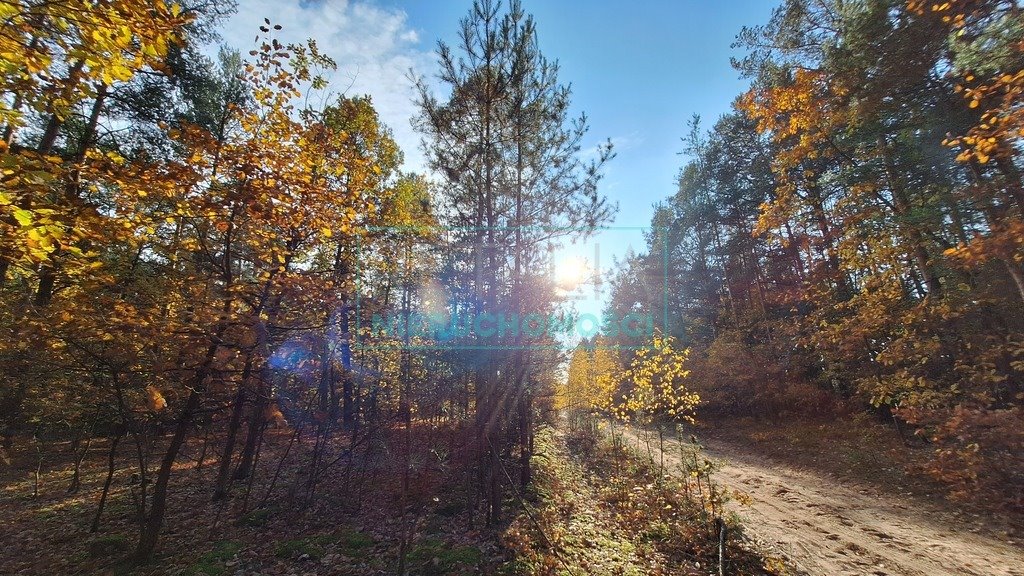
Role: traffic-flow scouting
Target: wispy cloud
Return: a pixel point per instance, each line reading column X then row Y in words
column 620, row 144
column 375, row 47
column 627, row 141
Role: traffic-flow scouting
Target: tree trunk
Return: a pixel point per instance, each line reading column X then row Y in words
column 202, row 451
column 234, row 424
column 48, row 270
column 77, row 474
column 902, row 204
column 153, row 521
column 1015, row 272
column 106, row 483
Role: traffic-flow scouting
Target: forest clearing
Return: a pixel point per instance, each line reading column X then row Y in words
column 367, row 287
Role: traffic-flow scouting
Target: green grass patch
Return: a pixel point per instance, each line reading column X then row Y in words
column 109, row 545
column 351, row 543
column 433, row 557
column 355, row 544
column 258, row 517
column 212, row 563
column 312, row 548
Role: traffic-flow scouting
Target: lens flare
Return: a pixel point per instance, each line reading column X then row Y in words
column 570, row 272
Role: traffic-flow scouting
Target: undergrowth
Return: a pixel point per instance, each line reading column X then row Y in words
column 600, row 507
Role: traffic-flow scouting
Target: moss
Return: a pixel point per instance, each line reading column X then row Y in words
column 296, row 549
column 355, row 544
column 212, row 563
column 518, row 567
column 464, row 555
column 110, row 545
column 433, row 557
column 258, row 517
column 351, row 543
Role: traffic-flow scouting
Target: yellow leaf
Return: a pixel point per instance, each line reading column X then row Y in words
column 24, row 217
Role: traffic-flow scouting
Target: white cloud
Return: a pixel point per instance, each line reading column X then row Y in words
column 623, row 145
column 374, row 47
column 620, row 144
column 627, row 142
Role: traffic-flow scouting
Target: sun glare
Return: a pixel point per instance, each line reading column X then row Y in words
column 570, row 272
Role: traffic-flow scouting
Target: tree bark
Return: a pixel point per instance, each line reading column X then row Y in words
column 106, row 483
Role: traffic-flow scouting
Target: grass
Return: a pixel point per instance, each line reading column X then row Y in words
column 355, row 544
column 258, row 517
column 351, row 543
column 312, row 548
column 213, row 562
column 109, row 545
column 602, row 509
column 433, row 557
column 569, row 525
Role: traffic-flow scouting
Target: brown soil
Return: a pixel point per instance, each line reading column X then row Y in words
column 828, row 526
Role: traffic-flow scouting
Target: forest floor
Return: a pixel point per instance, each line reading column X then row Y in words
column 591, row 509
column 830, row 520
column 353, row 526
column 594, row 507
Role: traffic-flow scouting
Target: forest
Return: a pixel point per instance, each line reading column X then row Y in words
column 239, row 336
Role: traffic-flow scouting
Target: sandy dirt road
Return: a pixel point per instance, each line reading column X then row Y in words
column 825, row 527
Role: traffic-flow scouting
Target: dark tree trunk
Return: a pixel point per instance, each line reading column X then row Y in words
column 111, row 456
column 234, row 424
column 155, row 519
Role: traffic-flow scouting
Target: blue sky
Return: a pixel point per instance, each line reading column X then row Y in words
column 638, row 71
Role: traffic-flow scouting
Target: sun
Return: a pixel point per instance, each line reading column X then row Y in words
column 570, row 272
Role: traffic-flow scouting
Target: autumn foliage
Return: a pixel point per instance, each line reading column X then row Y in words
column 192, row 251
column 646, row 384
column 146, row 282
column 850, row 236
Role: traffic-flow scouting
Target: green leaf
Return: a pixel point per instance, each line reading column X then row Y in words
column 24, row 217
